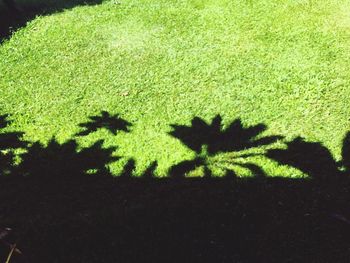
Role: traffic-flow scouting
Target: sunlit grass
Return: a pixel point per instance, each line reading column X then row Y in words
column 157, row 63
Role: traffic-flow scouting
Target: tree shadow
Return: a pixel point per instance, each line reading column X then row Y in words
column 63, row 205
column 15, row 14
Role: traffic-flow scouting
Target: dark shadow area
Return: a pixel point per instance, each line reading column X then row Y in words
column 63, row 205
column 235, row 137
column 16, row 13
column 9, row 141
column 311, row 158
column 211, row 139
column 112, row 123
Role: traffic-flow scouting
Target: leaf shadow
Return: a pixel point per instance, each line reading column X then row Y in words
column 112, row 123
column 63, row 204
column 211, row 139
column 312, row 158
column 9, row 141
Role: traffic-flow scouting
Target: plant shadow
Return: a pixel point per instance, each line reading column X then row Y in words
column 113, row 123
column 63, row 205
column 207, row 140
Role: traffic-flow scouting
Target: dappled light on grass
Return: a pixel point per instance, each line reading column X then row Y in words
column 9, row 141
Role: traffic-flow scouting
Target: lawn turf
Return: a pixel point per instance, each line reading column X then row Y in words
column 158, row 63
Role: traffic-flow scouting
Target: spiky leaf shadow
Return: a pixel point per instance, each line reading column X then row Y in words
column 112, row 123
column 150, row 170
column 65, row 160
column 235, row 137
column 208, row 140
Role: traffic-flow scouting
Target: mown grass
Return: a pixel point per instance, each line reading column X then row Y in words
column 157, row 63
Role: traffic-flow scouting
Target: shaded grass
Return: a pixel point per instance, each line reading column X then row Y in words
column 156, row 63
column 201, row 220
column 61, row 203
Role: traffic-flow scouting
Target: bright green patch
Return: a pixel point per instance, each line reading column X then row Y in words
column 157, row 63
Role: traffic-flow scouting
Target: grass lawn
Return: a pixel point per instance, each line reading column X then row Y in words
column 257, row 89
column 161, row 63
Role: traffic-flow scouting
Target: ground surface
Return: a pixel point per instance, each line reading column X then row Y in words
column 158, row 63
column 90, row 90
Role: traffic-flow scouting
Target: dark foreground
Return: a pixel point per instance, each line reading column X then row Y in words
column 102, row 219
column 63, row 205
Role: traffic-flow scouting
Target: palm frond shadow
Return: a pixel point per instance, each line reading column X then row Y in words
column 113, row 123
column 64, row 205
column 211, row 139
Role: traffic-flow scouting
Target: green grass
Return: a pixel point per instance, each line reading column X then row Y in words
column 156, row 63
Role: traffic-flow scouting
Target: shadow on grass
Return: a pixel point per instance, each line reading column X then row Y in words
column 113, row 123
column 16, row 13
column 63, row 204
column 208, row 140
